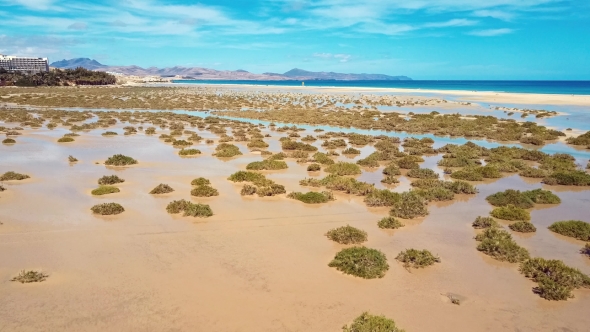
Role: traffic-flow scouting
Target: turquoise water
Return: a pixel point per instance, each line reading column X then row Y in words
column 545, row 87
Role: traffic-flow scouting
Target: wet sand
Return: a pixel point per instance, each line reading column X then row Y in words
column 259, row 264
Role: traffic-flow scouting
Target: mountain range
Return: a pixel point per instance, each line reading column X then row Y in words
column 198, row 73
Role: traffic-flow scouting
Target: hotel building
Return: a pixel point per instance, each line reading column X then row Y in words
column 22, row 64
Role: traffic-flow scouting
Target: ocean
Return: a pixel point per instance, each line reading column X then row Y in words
column 544, row 87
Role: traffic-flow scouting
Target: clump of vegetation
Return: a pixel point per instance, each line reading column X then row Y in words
column 204, row 191
column 583, row 139
column 422, row 173
column 25, row 277
column 104, row 190
column 293, row 145
column 389, row 223
column 531, row 172
column 264, row 186
column 410, row 205
column 417, row 258
column 514, row 197
column 9, row 176
column 312, row 197
column 568, row 178
column 457, row 187
column 226, row 150
column 586, row 250
column 109, row 180
column 351, row 151
column 200, row 182
column 573, row 228
column 556, row 280
column 314, row 167
column 109, row 133
column 371, row 323
column 347, row 235
column 258, row 144
column 9, row 141
column 107, row 209
column 248, row 190
column 484, row 222
column 498, row 243
column 189, row 209
column 436, row 194
column 162, row 188
column 391, row 170
column 511, row 212
column 72, row 159
column 361, row 262
column 65, row 140
column 120, row 160
column 189, row 152
column 540, row 196
column 342, row 168
column 523, row 227
column 267, row 164
column 322, row 158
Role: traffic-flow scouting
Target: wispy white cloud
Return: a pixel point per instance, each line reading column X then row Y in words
column 458, row 22
column 498, row 14
column 491, row 32
column 340, row 57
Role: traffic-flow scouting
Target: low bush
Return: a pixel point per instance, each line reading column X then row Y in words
column 293, row 145
column 351, row 151
column 65, row 140
column 107, row 209
column 389, row 179
column 248, row 190
column 389, row 223
column 422, row 173
column 368, row 162
column 25, row 277
column 204, row 191
column 498, row 243
column 573, row 228
column 382, row 197
column 9, row 176
column 225, row 150
column 323, row 158
column 109, row 133
column 586, row 250
column 342, row 168
column 72, row 159
column 257, row 143
column 531, row 172
column 247, row 176
column 484, row 222
column 514, row 197
column 511, row 212
column 371, row 323
column 104, row 190
column 436, row 194
column 200, row 182
column 413, row 258
column 189, row 209
column 407, row 163
column 9, row 141
column 347, row 235
column 270, row 190
column 314, row 167
column 457, row 187
column 556, row 280
column 523, row 227
column 312, row 197
column 267, row 164
column 568, row 178
column 410, row 205
column 120, row 160
column 161, row 189
column 392, row 169
column 189, row 152
column 361, row 262
column 109, row 180
column 540, row 196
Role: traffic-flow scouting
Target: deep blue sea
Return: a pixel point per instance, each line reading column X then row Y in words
column 545, row 87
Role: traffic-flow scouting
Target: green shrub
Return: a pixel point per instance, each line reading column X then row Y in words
column 65, row 140
column 25, row 277
column 204, row 191
column 417, row 258
column 382, row 197
column 436, row 194
column 200, row 182
column 410, row 205
column 389, row 223
column 457, row 187
column 347, row 235
column 457, row 162
column 514, row 197
column 392, row 169
column 270, row 190
column 407, row 163
column 9, row 176
column 556, row 280
column 523, row 227
column 511, row 212
column 484, row 222
column 314, row 167
column 189, row 209
column 540, row 196
column 120, row 160
column 312, row 197
column 351, row 151
column 368, row 162
column 361, row 262
column 257, row 143
column 161, row 189
column 189, row 152
column 568, row 178
column 293, row 145
column 9, row 141
column 109, row 133
column 586, row 250
column 267, row 164
column 370, row 323
column 498, row 243
column 248, row 190
column 531, row 172
column 104, row 190
column 323, row 158
column 573, row 228
column 583, row 139
column 342, row 168
column 247, row 176
column 225, row 150
column 422, row 173
column 107, row 209
column 109, row 180
column 389, row 179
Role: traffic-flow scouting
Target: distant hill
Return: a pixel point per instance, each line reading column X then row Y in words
column 89, row 64
column 198, row 73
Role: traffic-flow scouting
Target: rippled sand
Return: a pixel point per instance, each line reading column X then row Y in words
column 259, row 264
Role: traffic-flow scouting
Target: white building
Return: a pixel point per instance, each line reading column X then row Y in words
column 28, row 65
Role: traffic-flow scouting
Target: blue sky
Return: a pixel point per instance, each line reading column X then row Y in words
column 423, row 39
